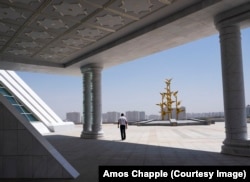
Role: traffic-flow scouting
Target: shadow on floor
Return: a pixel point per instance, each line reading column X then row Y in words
column 86, row 155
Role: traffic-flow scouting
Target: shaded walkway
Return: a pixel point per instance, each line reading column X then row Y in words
column 154, row 145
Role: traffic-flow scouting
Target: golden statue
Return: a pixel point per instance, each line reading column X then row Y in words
column 175, row 94
column 178, row 103
column 168, row 103
column 169, row 98
column 162, row 110
column 162, row 105
column 168, row 81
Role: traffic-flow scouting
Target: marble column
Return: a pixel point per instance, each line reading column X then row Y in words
column 92, row 107
column 87, row 109
column 233, row 90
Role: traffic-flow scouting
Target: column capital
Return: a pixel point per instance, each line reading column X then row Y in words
column 91, row 67
column 230, row 32
column 236, row 16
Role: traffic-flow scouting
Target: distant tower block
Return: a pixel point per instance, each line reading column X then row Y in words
column 74, row 117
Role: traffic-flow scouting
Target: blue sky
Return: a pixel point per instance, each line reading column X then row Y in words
column 195, row 69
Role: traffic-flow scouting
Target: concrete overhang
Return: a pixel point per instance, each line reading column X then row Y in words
column 61, row 36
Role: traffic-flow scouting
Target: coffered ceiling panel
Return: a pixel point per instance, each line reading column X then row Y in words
column 50, row 31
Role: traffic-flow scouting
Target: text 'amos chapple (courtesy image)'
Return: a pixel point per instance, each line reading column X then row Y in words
column 173, row 173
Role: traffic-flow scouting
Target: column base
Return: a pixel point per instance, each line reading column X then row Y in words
column 92, row 135
column 236, row 147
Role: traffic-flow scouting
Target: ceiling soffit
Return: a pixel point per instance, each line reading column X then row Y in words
column 46, row 32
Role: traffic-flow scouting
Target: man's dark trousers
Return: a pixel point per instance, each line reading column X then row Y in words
column 123, row 132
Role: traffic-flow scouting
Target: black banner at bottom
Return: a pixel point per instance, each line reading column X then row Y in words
column 173, row 173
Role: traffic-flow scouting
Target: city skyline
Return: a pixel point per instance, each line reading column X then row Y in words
column 195, row 69
column 113, row 116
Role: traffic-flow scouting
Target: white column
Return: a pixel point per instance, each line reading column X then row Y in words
column 97, row 100
column 87, row 109
column 233, row 90
column 233, row 83
column 92, row 103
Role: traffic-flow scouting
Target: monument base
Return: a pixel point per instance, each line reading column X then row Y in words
column 173, row 122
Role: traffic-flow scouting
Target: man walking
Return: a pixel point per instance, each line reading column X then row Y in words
column 123, row 124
